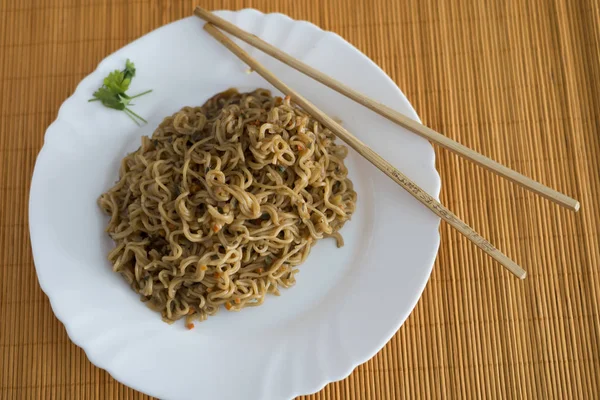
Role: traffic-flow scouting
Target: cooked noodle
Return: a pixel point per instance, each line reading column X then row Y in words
column 222, row 204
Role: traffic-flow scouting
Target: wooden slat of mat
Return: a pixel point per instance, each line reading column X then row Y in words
column 517, row 81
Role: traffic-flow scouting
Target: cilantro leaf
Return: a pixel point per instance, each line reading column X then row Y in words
column 129, row 70
column 112, row 93
column 117, row 82
column 108, row 99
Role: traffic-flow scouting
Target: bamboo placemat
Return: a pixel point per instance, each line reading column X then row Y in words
column 518, row 81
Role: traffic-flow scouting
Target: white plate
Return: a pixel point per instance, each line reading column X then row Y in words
column 347, row 302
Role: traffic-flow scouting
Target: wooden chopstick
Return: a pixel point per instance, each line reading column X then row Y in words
column 370, row 155
column 391, row 114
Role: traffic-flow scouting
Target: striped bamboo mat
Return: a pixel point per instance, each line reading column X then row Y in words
column 516, row 80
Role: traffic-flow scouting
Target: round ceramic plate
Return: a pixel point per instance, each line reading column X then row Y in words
column 347, row 303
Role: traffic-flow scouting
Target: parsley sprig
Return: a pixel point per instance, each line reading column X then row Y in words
column 112, row 93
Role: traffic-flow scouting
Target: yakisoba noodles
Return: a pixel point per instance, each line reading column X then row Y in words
column 223, row 202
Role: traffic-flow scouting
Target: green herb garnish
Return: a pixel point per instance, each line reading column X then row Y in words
column 112, row 93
